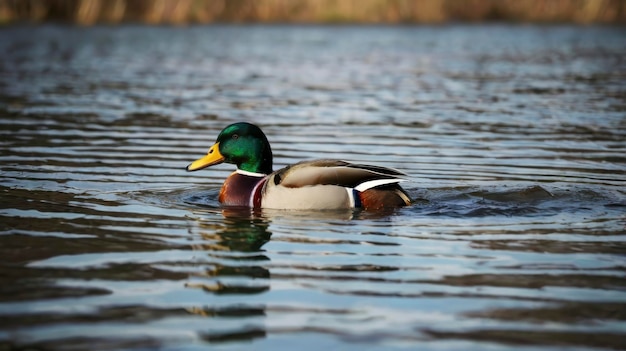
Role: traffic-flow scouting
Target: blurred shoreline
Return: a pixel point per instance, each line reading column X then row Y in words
column 181, row 12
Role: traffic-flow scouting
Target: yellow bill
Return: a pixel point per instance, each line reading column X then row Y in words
column 213, row 157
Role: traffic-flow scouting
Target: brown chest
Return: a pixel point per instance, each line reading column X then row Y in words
column 242, row 190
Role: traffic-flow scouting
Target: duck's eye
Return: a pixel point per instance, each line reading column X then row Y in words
column 235, row 136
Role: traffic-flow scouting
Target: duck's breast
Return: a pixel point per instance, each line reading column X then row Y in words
column 242, row 190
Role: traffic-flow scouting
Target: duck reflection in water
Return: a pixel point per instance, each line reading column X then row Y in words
column 235, row 267
column 237, row 264
column 238, row 238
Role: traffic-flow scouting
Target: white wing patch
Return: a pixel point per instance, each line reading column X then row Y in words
column 377, row 182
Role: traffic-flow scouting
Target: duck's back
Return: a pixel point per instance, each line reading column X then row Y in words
column 334, row 184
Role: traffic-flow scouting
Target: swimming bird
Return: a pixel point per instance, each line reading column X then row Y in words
column 308, row 185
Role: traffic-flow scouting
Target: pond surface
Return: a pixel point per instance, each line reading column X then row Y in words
column 514, row 138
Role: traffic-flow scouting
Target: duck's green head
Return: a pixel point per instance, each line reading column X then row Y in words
column 242, row 144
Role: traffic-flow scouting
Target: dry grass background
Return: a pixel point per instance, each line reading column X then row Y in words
column 87, row 12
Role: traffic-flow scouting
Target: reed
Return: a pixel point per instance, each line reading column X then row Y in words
column 87, row 12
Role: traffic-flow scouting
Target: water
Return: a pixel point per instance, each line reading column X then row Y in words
column 514, row 137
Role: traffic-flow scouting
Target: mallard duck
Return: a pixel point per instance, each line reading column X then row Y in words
column 317, row 184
